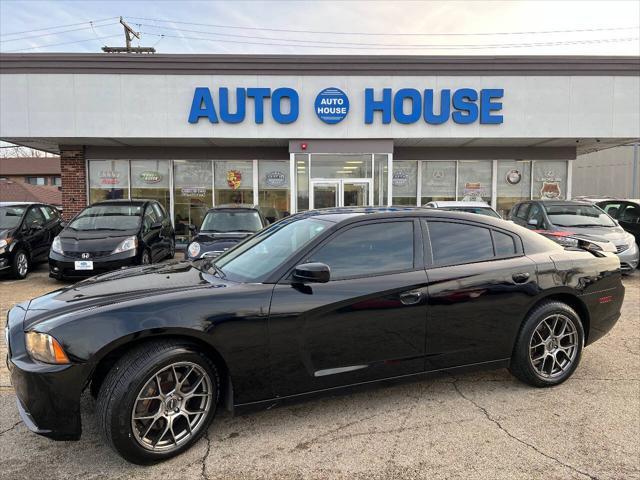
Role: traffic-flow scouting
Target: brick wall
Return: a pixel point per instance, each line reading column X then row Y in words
column 74, row 180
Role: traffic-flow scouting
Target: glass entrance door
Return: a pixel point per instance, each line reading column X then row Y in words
column 340, row 193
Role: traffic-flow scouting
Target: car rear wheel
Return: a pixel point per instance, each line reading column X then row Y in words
column 20, row 265
column 549, row 345
column 157, row 401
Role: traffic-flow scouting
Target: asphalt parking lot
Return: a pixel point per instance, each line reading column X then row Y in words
column 478, row 425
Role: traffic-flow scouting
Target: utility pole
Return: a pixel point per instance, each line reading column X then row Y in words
column 128, row 32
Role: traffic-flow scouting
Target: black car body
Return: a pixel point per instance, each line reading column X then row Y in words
column 313, row 303
column 110, row 235
column 223, row 227
column 26, row 232
column 626, row 212
column 571, row 222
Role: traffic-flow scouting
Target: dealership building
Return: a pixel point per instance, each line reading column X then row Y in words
column 291, row 133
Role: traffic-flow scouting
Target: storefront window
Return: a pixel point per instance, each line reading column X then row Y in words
column 233, row 182
column 150, row 180
column 474, row 181
column 404, row 181
column 513, row 184
column 273, row 189
column 550, row 180
column 302, row 181
column 380, row 179
column 438, row 182
column 108, row 180
column 341, row 166
column 192, row 195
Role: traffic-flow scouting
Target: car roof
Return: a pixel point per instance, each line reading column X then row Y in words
column 450, row 204
column 17, row 204
column 123, row 201
column 562, row 202
column 245, row 206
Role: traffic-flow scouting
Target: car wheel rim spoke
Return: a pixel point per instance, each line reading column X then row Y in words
column 553, row 346
column 172, row 406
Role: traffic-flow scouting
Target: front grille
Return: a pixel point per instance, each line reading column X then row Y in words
column 92, row 255
column 621, row 248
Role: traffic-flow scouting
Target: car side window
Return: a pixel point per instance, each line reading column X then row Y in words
column 523, row 211
column 46, row 213
column 149, row 219
column 536, row 214
column 613, row 209
column 372, row 249
column 504, row 244
column 455, row 243
column 34, row 218
column 159, row 211
column 631, row 214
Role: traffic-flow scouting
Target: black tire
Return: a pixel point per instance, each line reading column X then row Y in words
column 20, row 271
column 522, row 363
column 145, row 258
column 172, row 249
column 126, row 379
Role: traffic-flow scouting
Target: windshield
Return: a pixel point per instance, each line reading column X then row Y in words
column 225, row 221
column 10, row 216
column 263, row 253
column 108, row 217
column 578, row 216
column 479, row 210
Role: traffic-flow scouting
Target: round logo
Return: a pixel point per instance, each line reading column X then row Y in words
column 513, row 177
column 275, row 179
column 400, row 178
column 331, row 105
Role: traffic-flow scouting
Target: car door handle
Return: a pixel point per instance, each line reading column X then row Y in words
column 520, row 277
column 411, row 298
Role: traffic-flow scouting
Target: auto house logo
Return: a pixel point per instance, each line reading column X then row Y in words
column 332, row 105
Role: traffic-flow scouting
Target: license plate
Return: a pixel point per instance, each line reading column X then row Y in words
column 84, row 265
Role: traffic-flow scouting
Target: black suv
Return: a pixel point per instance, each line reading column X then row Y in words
column 26, row 232
column 223, row 227
column 112, row 234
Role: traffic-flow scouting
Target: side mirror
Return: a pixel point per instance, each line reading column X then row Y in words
column 192, row 228
column 312, row 273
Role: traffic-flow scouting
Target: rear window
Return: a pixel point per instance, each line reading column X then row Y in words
column 504, row 244
column 523, row 211
column 228, row 221
column 453, row 243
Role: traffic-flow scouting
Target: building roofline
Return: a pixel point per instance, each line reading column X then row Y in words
column 338, row 65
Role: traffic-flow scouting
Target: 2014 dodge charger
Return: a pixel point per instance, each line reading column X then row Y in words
column 316, row 302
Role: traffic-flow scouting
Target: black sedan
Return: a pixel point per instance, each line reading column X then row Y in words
column 110, row 235
column 316, row 302
column 223, row 227
column 626, row 212
column 26, row 232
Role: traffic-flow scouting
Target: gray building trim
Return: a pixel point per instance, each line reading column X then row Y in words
column 484, row 153
column 186, row 153
column 330, row 65
column 341, row 146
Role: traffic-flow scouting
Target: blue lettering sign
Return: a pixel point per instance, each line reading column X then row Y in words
column 225, row 115
column 371, row 105
column 202, row 106
column 276, row 105
column 430, row 115
column 464, row 101
column 259, row 94
column 487, row 106
column 332, row 105
column 415, row 103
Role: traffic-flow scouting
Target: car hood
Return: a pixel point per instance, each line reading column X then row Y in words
column 93, row 240
column 615, row 235
column 204, row 238
column 120, row 286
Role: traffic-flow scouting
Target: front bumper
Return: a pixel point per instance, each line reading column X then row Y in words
column 629, row 258
column 61, row 266
column 48, row 396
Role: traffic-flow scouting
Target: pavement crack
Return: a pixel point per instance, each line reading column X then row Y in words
column 517, row 439
column 203, row 472
column 10, row 428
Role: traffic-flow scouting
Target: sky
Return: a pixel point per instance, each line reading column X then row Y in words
column 327, row 27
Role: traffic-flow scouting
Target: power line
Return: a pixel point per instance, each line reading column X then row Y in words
column 56, row 27
column 603, row 29
column 326, row 42
column 57, row 44
column 56, row 33
column 402, row 47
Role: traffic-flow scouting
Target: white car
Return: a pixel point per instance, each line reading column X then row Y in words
column 481, row 208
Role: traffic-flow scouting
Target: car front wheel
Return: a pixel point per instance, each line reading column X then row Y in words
column 157, row 401
column 20, row 265
column 549, row 345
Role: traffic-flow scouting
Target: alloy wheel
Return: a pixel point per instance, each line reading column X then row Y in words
column 554, row 346
column 22, row 264
column 172, row 406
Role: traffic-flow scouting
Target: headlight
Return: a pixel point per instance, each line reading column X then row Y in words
column 561, row 239
column 194, row 249
column 4, row 243
column 45, row 348
column 129, row 243
column 56, row 246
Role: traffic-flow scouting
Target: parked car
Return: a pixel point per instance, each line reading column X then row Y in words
column 223, row 227
column 110, row 235
column 26, row 232
column 316, row 302
column 480, row 208
column 626, row 213
column 570, row 222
